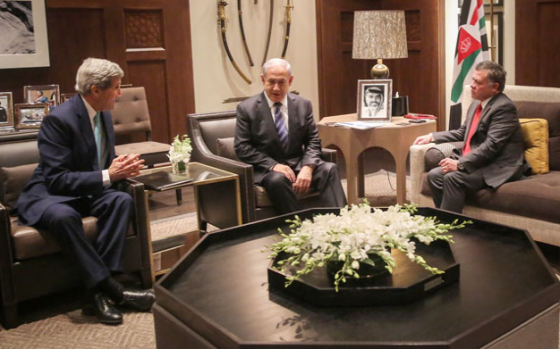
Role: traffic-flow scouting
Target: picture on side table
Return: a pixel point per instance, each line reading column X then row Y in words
column 49, row 94
column 374, row 100
column 30, row 115
column 6, row 110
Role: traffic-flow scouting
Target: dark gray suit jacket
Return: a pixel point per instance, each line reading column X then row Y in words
column 257, row 142
column 497, row 146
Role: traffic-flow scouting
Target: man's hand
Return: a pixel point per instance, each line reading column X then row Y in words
column 448, row 165
column 425, row 139
column 286, row 171
column 303, row 180
column 125, row 166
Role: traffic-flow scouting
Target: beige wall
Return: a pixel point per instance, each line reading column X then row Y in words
column 215, row 79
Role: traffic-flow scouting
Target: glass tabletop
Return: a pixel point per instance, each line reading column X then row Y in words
column 201, row 173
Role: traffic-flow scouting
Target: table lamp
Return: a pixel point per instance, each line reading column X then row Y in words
column 379, row 35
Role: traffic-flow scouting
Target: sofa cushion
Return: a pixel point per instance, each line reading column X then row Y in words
column 224, row 147
column 15, row 178
column 551, row 113
column 537, row 197
column 535, row 135
column 439, row 152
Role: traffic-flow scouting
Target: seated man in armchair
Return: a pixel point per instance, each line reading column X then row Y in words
column 493, row 151
column 276, row 133
column 75, row 178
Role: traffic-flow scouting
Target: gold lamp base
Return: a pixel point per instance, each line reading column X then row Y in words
column 380, row 70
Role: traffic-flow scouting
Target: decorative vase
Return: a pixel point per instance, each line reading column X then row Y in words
column 365, row 271
column 180, row 167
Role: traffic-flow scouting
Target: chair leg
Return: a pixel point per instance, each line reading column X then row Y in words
column 179, row 195
column 146, row 278
column 10, row 316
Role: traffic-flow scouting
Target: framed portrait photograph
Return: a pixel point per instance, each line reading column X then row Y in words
column 30, row 115
column 66, row 96
column 6, row 111
column 24, row 41
column 374, row 100
column 49, row 94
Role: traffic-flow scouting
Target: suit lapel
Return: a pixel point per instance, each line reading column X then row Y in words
column 86, row 130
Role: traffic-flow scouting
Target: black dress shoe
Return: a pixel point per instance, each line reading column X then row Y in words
column 105, row 311
column 138, row 300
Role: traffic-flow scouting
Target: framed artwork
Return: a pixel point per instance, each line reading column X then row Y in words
column 24, row 41
column 49, row 94
column 29, row 115
column 6, row 110
column 374, row 100
column 496, row 2
column 66, row 96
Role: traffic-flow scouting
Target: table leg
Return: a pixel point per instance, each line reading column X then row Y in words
column 400, row 162
column 361, row 178
column 352, row 173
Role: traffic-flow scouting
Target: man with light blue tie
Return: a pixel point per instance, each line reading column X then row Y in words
column 276, row 133
column 75, row 177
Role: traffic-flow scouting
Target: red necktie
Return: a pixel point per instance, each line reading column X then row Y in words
column 474, row 126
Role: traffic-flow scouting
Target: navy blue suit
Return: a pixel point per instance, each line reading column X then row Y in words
column 68, row 185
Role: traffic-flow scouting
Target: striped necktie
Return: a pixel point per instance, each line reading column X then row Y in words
column 97, row 132
column 280, row 126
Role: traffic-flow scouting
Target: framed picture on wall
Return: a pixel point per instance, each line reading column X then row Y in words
column 66, row 96
column 6, row 110
column 30, row 115
column 24, row 41
column 49, row 94
column 374, row 100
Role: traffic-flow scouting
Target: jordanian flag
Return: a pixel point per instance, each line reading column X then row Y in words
column 472, row 48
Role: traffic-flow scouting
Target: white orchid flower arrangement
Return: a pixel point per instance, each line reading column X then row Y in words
column 354, row 236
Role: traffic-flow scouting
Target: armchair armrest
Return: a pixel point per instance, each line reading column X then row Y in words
column 7, row 291
column 328, row 155
column 417, row 168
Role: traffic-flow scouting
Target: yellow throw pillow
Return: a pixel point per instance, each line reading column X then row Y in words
column 535, row 134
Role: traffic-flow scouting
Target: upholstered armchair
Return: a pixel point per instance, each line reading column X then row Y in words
column 31, row 263
column 212, row 136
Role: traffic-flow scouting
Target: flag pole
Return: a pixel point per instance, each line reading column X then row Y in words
column 492, row 33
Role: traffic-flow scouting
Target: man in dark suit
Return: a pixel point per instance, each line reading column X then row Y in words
column 75, row 178
column 276, row 133
column 493, row 151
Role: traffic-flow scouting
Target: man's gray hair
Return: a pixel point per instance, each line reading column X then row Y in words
column 276, row 62
column 496, row 74
column 96, row 72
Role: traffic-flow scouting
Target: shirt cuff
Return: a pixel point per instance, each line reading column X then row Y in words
column 106, row 178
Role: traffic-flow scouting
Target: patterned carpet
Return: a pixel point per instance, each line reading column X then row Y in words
column 73, row 330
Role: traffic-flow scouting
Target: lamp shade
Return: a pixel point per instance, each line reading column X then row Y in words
column 379, row 35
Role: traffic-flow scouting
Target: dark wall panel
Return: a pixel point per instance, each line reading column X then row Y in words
column 151, row 75
column 537, row 24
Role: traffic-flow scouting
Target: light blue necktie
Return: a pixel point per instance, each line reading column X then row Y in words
column 280, row 126
column 97, row 132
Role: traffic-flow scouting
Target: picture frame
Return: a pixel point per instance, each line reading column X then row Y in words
column 6, row 111
column 28, row 47
column 49, row 94
column 496, row 2
column 66, row 96
column 30, row 115
column 374, row 100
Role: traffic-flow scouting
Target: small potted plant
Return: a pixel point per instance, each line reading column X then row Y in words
column 180, row 154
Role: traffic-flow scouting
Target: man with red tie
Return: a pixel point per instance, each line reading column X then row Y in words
column 493, row 152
